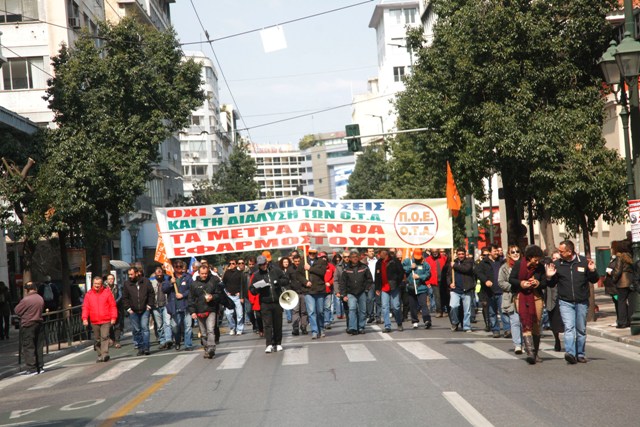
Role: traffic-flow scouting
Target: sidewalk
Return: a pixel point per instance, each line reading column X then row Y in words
column 606, row 317
column 9, row 353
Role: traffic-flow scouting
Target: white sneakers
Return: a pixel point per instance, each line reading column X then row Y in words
column 238, row 333
column 518, row 350
column 269, row 349
column 415, row 326
column 278, row 348
column 232, row 332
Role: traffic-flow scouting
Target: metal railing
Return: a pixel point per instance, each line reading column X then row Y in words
column 61, row 326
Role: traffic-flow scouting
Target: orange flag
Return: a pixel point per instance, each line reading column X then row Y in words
column 453, row 198
column 161, row 256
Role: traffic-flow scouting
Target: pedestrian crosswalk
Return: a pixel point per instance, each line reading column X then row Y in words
column 294, row 355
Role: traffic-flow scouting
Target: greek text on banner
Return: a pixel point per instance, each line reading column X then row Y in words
column 297, row 221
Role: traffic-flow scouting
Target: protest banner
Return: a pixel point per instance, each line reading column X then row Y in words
column 303, row 221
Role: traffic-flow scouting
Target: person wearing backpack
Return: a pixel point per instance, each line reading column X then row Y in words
column 50, row 294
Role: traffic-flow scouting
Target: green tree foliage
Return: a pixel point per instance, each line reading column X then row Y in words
column 232, row 182
column 307, row 141
column 369, row 175
column 512, row 87
column 114, row 104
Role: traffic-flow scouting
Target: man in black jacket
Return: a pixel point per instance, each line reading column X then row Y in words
column 138, row 299
column 234, row 284
column 269, row 282
column 299, row 284
column 356, row 280
column 316, row 293
column 572, row 274
column 204, row 302
column 488, row 275
column 389, row 276
column 462, row 289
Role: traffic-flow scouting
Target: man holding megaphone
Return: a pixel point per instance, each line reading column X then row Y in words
column 268, row 281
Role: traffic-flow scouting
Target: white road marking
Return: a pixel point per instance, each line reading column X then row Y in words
column 618, row 349
column 385, row 336
column 465, row 409
column 176, row 365
column 117, row 370
column 421, row 351
column 358, row 353
column 68, row 357
column 551, row 352
column 50, row 382
column 296, row 356
column 235, row 359
column 489, row 351
column 13, row 380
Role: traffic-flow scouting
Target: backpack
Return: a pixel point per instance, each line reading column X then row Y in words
column 47, row 293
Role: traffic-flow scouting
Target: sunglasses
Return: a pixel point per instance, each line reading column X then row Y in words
column 241, row 262
column 514, row 252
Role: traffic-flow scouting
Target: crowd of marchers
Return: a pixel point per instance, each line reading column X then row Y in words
column 518, row 294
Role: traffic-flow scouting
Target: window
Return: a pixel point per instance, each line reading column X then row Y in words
column 395, row 15
column 18, row 10
column 409, row 16
column 186, row 170
column 196, row 120
column 199, row 170
column 23, row 73
column 398, row 74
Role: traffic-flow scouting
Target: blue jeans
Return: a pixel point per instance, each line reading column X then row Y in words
column 289, row 314
column 162, row 324
column 337, row 303
column 516, row 331
column 391, row 301
column 357, row 311
column 328, row 309
column 178, row 326
column 432, row 300
column 140, row 326
column 315, row 310
column 574, row 317
column 373, row 303
column 495, row 307
column 188, row 330
column 233, row 314
column 455, row 300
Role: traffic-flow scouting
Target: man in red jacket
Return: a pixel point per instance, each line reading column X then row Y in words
column 99, row 307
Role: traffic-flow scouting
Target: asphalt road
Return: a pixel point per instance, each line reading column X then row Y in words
column 429, row 377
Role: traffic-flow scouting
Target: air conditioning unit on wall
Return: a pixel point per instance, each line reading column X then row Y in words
column 74, row 22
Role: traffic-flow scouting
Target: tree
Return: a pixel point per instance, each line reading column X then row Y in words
column 510, row 87
column 369, row 175
column 307, row 141
column 232, row 182
column 113, row 104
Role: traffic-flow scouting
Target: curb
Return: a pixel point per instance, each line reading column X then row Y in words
column 630, row 340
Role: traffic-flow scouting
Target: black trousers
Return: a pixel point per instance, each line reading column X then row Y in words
column 623, row 307
column 32, row 344
column 271, row 313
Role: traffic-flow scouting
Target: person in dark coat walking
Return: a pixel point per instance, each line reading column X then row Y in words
column 30, row 309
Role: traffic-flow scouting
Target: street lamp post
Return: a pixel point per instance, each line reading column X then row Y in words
column 627, row 59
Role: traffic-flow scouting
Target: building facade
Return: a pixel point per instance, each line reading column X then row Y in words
column 280, row 170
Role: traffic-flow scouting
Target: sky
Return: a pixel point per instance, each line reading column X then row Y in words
column 328, row 59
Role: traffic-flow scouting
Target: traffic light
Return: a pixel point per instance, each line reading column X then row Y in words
column 354, row 144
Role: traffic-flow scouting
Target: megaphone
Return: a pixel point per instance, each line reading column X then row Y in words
column 288, row 300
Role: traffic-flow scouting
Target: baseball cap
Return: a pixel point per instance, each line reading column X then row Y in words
column 313, row 251
column 261, row 260
column 267, row 255
column 417, row 253
column 321, row 254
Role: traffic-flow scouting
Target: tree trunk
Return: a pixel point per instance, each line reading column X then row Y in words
column 28, row 249
column 514, row 220
column 65, row 271
column 591, row 312
column 546, row 230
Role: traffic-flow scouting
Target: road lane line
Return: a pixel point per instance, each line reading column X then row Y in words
column 296, row 356
column 421, row 351
column 358, row 353
column 130, row 406
column 489, row 351
column 465, row 409
column 617, row 349
column 176, row 365
column 385, row 336
column 68, row 357
column 235, row 359
column 551, row 352
column 50, row 382
column 13, row 380
column 117, row 370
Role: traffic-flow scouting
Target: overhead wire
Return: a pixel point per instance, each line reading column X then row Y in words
column 242, row 33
